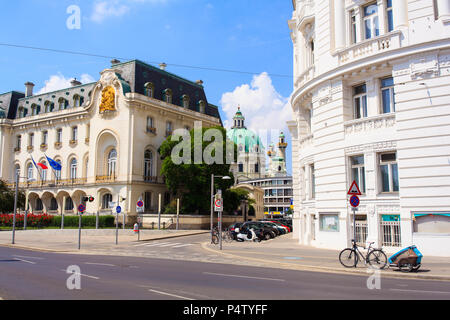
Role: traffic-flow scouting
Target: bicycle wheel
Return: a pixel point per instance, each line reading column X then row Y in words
column 227, row 237
column 348, row 258
column 214, row 239
column 377, row 259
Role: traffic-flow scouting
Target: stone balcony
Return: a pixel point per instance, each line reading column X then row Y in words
column 304, row 77
column 365, row 125
column 370, row 47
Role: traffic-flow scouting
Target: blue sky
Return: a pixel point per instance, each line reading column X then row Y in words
column 245, row 35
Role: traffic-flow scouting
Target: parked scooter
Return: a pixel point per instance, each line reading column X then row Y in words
column 250, row 235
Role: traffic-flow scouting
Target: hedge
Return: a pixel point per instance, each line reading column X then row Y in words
column 45, row 220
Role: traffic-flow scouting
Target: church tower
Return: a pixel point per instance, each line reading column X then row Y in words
column 277, row 161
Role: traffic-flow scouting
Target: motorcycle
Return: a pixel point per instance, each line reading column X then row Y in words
column 250, row 235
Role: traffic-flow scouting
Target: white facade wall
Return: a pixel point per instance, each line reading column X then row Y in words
column 416, row 54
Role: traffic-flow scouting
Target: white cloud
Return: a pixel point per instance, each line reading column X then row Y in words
column 58, row 82
column 106, row 9
column 263, row 107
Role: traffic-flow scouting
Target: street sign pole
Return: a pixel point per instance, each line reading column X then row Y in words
column 354, row 222
column 79, row 230
column 159, row 212
column 15, row 208
column 178, row 213
column 117, row 228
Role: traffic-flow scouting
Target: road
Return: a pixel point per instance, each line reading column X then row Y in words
column 42, row 275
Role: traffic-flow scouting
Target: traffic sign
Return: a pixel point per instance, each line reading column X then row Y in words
column 218, row 205
column 118, row 209
column 354, row 189
column 354, row 201
column 140, row 203
column 81, row 208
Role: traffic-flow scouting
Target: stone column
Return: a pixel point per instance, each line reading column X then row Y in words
column 382, row 16
column 443, row 9
column 400, row 12
column 339, row 24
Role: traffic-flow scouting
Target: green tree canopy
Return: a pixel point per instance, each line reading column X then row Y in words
column 7, row 199
column 205, row 153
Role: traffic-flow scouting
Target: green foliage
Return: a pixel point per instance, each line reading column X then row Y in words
column 86, row 221
column 192, row 181
column 171, row 208
column 7, row 198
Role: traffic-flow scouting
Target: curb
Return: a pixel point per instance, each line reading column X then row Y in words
column 71, row 251
column 282, row 265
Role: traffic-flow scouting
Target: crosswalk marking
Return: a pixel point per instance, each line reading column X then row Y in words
column 169, row 244
column 183, row 245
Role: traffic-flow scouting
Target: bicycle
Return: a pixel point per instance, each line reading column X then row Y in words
column 349, row 257
column 227, row 235
column 215, row 236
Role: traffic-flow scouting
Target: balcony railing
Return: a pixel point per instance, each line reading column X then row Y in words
column 370, row 47
column 50, row 183
column 111, row 178
column 151, row 179
column 306, row 76
column 365, row 125
column 151, row 130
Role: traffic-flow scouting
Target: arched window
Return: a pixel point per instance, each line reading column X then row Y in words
column 69, row 204
column 73, row 168
column 30, row 172
column 77, row 101
column 167, row 94
column 201, row 106
column 39, row 205
column 107, row 198
column 185, row 101
column 241, row 167
column 148, row 165
column 44, row 172
column 112, row 162
column 149, row 89
column 57, row 173
column 53, row 204
column 16, row 171
column 62, row 104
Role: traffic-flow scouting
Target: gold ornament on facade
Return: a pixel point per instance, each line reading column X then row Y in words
column 108, row 100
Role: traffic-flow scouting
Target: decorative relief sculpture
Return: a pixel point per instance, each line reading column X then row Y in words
column 108, row 100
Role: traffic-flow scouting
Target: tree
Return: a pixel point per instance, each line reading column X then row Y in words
column 232, row 199
column 187, row 166
column 7, row 198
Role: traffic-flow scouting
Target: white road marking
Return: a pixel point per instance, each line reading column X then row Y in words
column 84, row 275
column 183, row 245
column 421, row 291
column 38, row 258
column 141, row 244
column 31, row 262
column 169, row 294
column 156, row 244
column 239, row 276
column 101, row 264
column 170, row 244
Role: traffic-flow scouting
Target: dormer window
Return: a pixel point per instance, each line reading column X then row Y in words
column 77, row 101
column 62, row 104
column 167, row 95
column 22, row 112
column 33, row 109
column 149, row 89
column 201, row 106
column 185, row 101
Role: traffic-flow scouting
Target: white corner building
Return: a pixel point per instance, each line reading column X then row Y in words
column 371, row 104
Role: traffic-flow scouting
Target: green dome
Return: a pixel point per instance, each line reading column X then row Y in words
column 245, row 137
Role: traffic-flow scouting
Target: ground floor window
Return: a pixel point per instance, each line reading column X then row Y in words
column 69, row 204
column 107, row 198
column 390, row 230
column 329, row 222
column 431, row 222
column 53, row 204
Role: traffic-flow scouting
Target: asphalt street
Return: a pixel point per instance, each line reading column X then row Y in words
column 43, row 275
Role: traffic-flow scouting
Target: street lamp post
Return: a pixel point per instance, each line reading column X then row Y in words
column 212, row 204
column 16, row 194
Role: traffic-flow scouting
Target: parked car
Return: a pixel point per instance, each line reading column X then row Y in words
column 281, row 229
column 285, row 226
column 268, row 232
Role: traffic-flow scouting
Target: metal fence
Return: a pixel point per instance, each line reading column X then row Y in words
column 390, row 233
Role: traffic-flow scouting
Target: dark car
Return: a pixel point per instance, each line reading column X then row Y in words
column 277, row 222
column 267, row 232
column 281, row 228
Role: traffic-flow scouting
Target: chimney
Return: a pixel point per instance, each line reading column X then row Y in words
column 163, row 66
column 115, row 61
column 29, row 89
column 199, row 82
column 75, row 82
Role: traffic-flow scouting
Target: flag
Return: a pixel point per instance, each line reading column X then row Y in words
column 43, row 166
column 55, row 165
column 37, row 168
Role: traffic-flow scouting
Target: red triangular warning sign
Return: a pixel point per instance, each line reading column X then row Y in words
column 354, row 189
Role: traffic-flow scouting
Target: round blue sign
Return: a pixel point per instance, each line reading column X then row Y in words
column 118, row 209
column 354, row 201
column 81, row 208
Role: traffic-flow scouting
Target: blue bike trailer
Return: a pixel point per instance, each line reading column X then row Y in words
column 406, row 252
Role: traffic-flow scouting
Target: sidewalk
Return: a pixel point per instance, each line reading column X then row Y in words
column 285, row 252
column 66, row 240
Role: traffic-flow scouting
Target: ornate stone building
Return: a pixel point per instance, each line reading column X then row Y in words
column 105, row 135
column 370, row 101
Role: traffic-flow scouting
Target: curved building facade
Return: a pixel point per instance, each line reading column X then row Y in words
column 371, row 104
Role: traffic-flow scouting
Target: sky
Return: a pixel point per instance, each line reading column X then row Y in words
column 250, row 37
